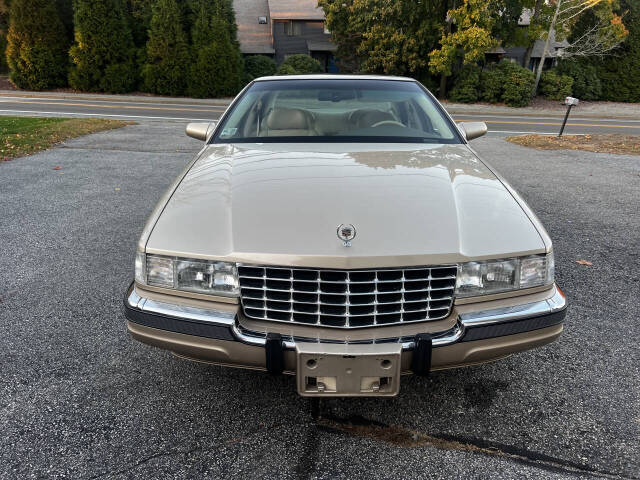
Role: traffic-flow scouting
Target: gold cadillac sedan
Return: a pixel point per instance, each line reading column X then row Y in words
column 341, row 229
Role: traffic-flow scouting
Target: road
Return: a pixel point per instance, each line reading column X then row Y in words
column 80, row 399
column 499, row 125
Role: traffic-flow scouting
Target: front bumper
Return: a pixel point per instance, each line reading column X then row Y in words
column 217, row 335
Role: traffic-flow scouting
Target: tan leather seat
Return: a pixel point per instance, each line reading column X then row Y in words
column 288, row 122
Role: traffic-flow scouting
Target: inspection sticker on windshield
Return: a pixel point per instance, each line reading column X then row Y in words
column 228, row 132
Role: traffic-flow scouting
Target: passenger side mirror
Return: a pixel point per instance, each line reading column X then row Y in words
column 201, row 131
column 472, row 130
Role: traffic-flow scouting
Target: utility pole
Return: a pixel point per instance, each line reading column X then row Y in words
column 552, row 29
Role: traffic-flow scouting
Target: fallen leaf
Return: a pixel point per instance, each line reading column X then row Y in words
column 584, row 262
column 57, row 167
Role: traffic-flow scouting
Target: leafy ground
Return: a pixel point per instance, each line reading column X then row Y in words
column 21, row 136
column 599, row 143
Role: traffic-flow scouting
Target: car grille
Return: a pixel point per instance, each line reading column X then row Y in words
column 347, row 298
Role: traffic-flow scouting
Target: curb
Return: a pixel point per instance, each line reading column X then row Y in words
column 116, row 98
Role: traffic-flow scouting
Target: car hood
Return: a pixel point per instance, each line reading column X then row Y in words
column 282, row 204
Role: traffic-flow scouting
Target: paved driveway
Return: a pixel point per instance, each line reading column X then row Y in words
column 79, row 399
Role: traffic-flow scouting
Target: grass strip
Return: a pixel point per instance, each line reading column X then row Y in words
column 20, row 136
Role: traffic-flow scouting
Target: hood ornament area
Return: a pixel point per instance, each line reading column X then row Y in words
column 346, row 233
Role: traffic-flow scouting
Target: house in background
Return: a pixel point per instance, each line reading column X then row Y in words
column 279, row 28
column 516, row 54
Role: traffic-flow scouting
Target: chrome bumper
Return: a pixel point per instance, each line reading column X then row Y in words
column 223, row 325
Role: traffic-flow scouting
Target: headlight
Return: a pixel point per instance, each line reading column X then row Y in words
column 191, row 275
column 495, row 276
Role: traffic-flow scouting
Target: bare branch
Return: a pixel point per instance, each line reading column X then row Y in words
column 596, row 41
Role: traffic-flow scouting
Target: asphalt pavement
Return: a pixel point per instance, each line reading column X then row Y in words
column 148, row 108
column 80, row 399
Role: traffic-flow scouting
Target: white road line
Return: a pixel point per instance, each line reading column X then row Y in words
column 525, row 117
column 537, row 133
column 8, row 100
column 100, row 115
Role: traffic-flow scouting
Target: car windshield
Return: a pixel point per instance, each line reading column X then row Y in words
column 336, row 110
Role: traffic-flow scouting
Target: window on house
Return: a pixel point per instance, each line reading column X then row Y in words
column 262, row 20
column 292, row 29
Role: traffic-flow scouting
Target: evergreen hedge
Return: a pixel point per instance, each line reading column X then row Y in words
column 491, row 84
column 300, row 64
column 555, row 86
column 505, row 82
column 37, row 45
column 619, row 71
column 518, row 86
column 467, row 85
column 586, row 83
column 216, row 65
column 103, row 55
column 167, row 59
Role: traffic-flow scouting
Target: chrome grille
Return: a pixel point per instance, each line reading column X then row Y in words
column 347, row 298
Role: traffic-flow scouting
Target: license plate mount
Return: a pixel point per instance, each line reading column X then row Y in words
column 340, row 370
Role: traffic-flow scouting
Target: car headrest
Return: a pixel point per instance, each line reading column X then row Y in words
column 287, row 119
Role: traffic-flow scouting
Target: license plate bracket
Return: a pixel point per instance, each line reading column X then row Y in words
column 340, row 370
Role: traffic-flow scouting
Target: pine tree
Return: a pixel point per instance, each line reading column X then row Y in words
column 165, row 71
column 103, row 55
column 36, row 45
column 216, row 68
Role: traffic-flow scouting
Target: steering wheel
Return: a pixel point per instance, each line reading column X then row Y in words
column 387, row 122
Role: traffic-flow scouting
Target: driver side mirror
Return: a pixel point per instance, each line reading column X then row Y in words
column 472, row 130
column 200, row 131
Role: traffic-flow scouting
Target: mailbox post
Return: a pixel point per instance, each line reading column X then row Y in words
column 569, row 102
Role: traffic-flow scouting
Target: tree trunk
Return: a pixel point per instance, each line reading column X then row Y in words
column 546, row 46
column 443, row 87
column 532, row 20
column 443, row 79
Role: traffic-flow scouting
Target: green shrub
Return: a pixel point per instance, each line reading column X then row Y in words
column 466, row 85
column 167, row 58
column 103, row 55
column 518, row 85
column 287, row 70
column 507, row 82
column 36, row 45
column 256, row 66
column 491, row 84
column 586, row 84
column 554, row 86
column 300, row 64
column 216, row 69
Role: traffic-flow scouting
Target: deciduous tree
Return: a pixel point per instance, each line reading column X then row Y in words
column 391, row 37
column 602, row 36
column 471, row 37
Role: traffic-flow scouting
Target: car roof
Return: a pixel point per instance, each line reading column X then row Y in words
column 330, row 76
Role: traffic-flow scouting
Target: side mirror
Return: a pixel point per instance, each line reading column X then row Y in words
column 472, row 130
column 201, row 131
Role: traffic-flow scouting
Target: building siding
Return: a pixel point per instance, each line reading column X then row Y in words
column 288, row 45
